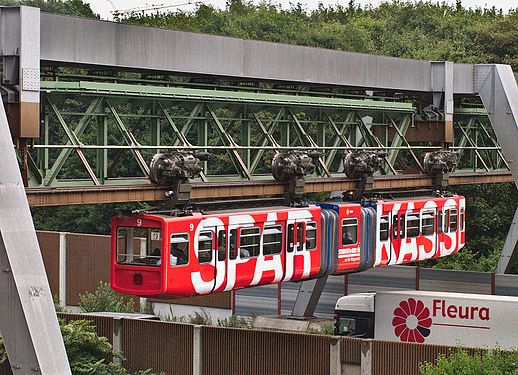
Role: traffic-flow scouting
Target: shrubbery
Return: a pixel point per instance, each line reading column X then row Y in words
column 86, row 351
column 494, row 362
column 105, row 299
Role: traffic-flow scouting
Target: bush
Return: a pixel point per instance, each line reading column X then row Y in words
column 462, row 363
column 105, row 299
column 200, row 318
column 235, row 322
column 86, row 351
column 324, row 329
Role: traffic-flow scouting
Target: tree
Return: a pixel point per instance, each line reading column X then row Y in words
column 67, row 7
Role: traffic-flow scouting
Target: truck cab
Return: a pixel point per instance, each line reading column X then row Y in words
column 354, row 315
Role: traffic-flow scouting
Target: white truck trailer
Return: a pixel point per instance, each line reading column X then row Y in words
column 472, row 320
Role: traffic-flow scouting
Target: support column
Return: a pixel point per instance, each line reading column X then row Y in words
column 20, row 50
column 307, row 298
column 196, row 351
column 335, row 365
column 498, row 90
column 366, row 357
column 63, row 269
column 28, row 320
column 117, row 339
column 510, row 250
column 442, row 86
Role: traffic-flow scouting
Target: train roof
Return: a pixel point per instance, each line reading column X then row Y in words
column 237, row 211
column 390, row 199
column 255, row 209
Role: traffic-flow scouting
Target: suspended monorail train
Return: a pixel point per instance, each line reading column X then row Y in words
column 164, row 256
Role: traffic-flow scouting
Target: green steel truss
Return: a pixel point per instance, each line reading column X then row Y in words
column 105, row 133
column 476, row 141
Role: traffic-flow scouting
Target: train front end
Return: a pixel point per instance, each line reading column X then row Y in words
column 137, row 266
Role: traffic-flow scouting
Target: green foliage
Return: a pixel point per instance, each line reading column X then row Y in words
column 86, row 351
column 67, row 7
column 171, row 317
column 94, row 219
column 198, row 317
column 235, row 322
column 325, row 329
column 105, row 299
column 57, row 305
column 201, row 318
column 461, row 363
column 466, row 259
column 84, row 348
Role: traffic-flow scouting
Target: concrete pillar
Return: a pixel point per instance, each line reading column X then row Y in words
column 335, row 365
column 366, row 359
column 196, row 351
column 63, row 269
column 117, row 339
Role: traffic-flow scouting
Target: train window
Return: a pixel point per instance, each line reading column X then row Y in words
column 179, row 249
column 272, row 239
column 311, row 236
column 222, row 244
column 427, row 223
column 205, row 247
column 349, row 231
column 232, row 252
column 412, row 225
column 291, row 237
column 249, row 242
column 453, row 220
column 139, row 246
column 462, row 218
column 384, row 228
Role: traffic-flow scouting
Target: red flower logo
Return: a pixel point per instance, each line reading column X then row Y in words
column 412, row 321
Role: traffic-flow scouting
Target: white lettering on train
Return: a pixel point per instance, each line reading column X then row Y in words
column 263, row 264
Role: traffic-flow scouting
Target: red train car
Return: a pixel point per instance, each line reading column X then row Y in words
column 163, row 256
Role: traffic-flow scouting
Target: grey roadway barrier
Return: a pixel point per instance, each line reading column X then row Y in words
column 266, row 300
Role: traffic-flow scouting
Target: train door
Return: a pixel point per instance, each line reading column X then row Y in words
column 385, row 239
column 294, row 262
column 427, row 244
column 220, row 257
column 449, row 243
column 397, row 235
column 351, row 219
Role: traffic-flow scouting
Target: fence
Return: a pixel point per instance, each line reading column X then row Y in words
column 186, row 349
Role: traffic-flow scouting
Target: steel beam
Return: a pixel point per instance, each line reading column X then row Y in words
column 73, row 40
column 236, row 189
column 28, row 320
column 181, row 93
column 499, row 92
